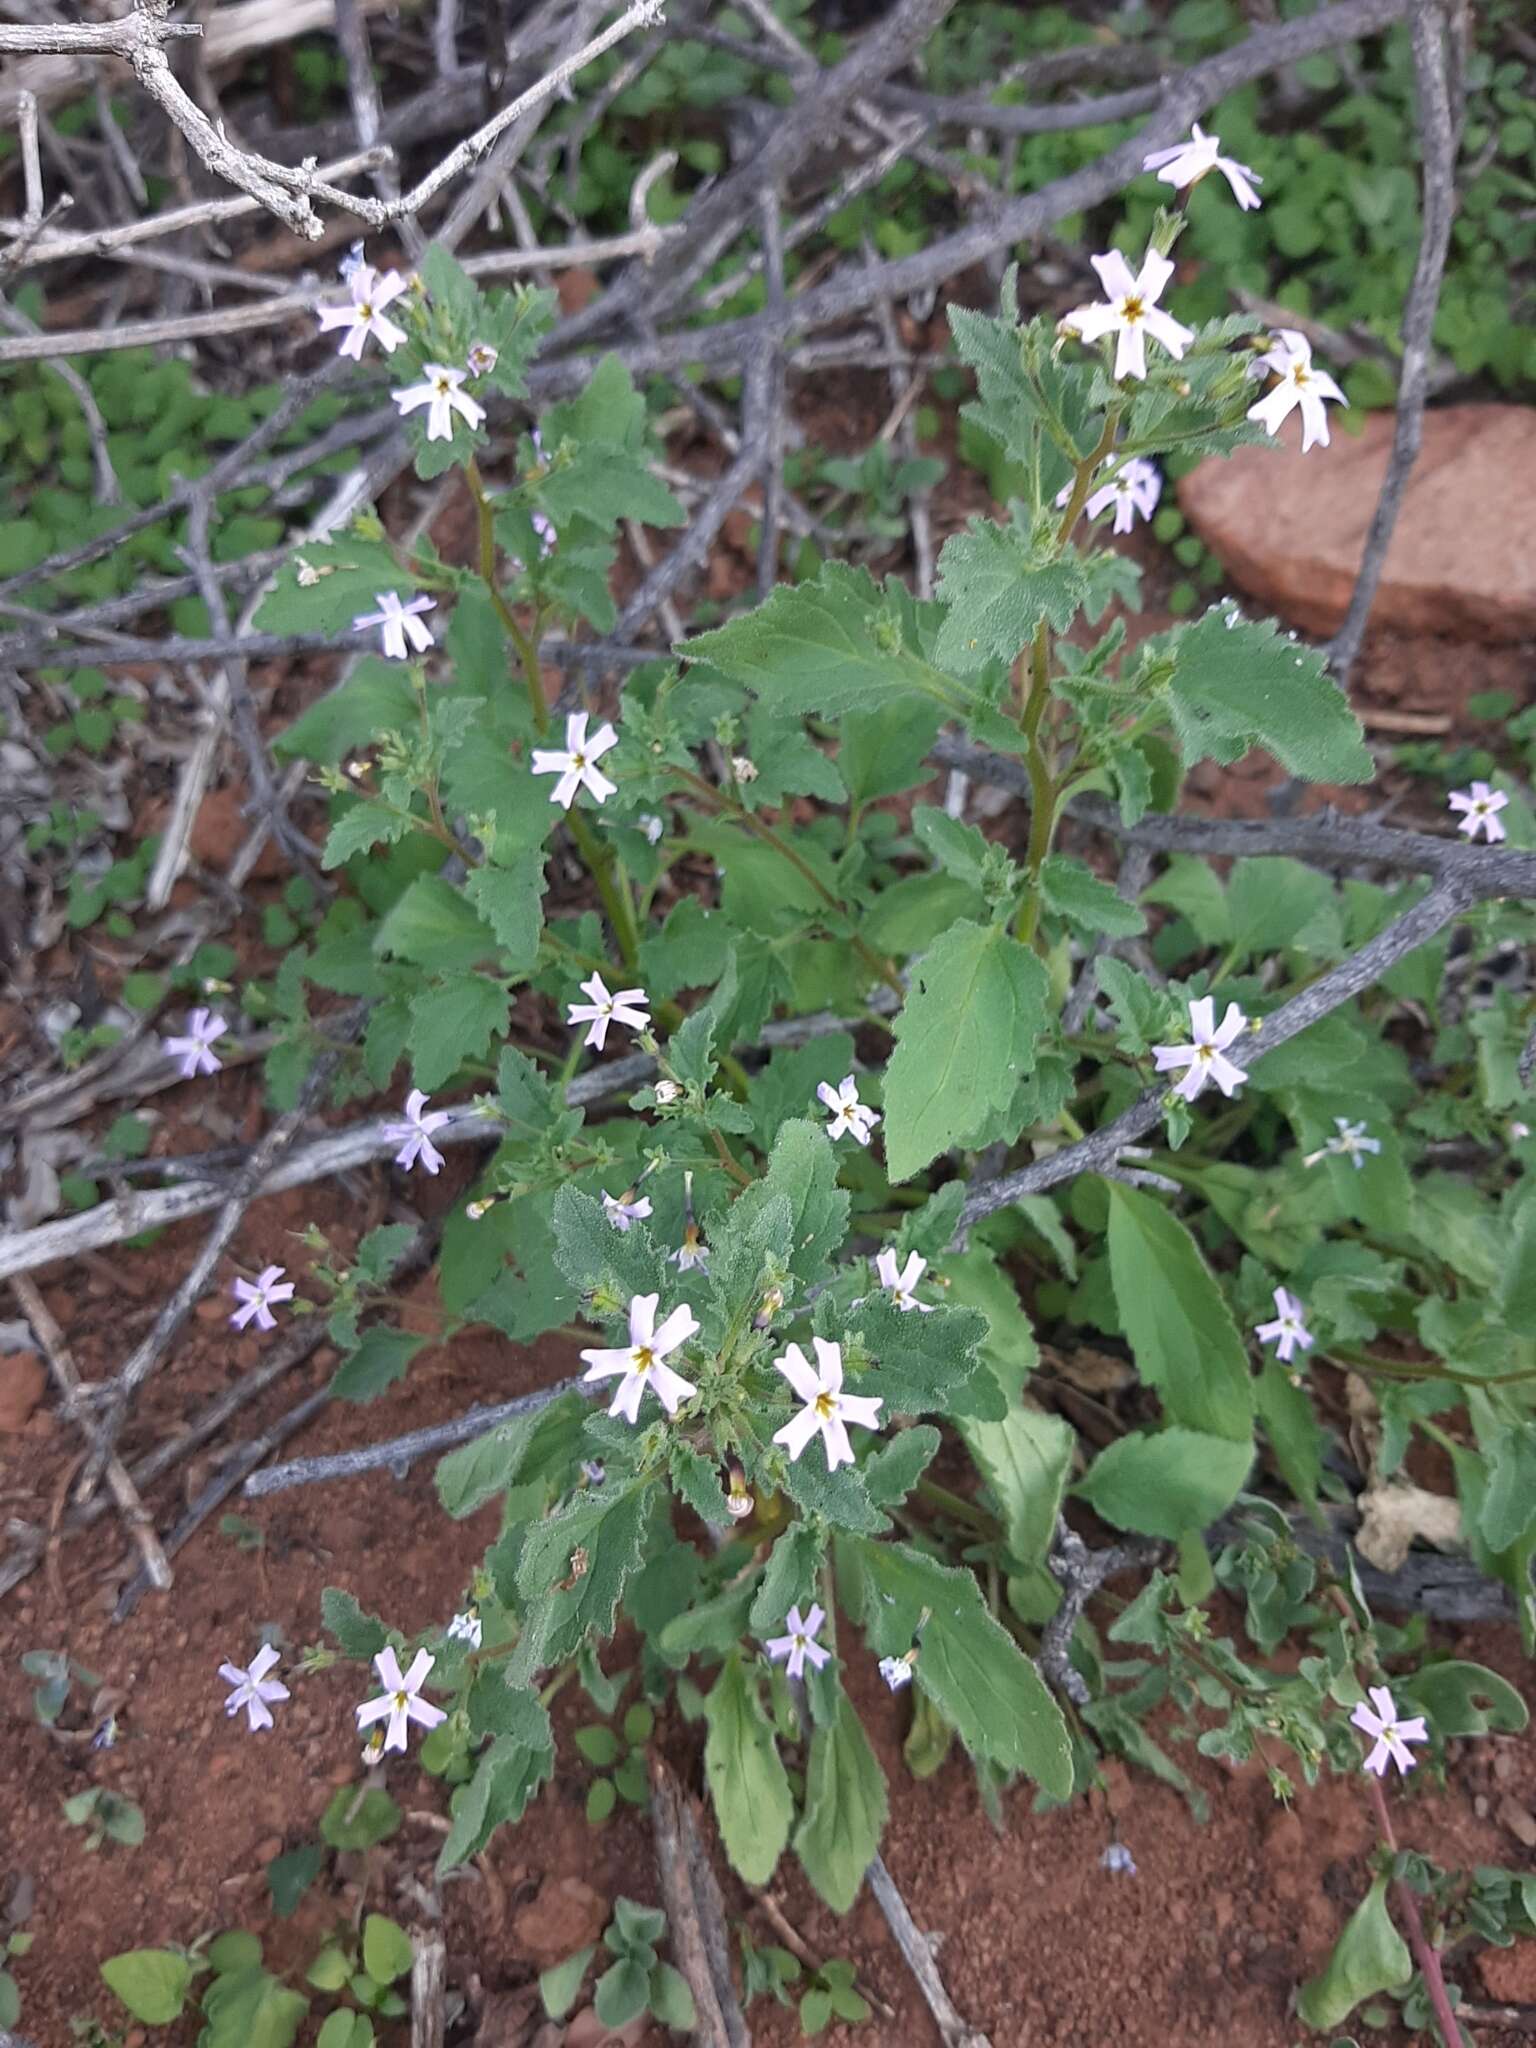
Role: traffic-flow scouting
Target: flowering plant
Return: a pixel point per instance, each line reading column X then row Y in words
column 828, row 1022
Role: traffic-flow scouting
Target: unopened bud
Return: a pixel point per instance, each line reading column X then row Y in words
column 739, row 1502
column 481, row 359
column 667, row 1091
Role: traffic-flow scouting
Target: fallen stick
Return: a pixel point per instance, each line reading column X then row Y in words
column 695, row 1914
column 917, row 1948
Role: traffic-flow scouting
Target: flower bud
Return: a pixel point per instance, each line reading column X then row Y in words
column 743, row 769
column 481, row 359
column 667, row 1091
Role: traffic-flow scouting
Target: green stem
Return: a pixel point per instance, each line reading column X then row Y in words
column 612, row 887
column 527, row 651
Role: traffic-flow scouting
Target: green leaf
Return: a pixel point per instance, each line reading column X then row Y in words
column 881, row 752
column 802, row 1172
column 965, row 1039
column 507, row 1776
column 1026, row 1459
column 453, row 1022
column 350, row 1823
column 747, row 1780
column 790, row 1579
column 893, row 1471
column 670, row 2000
column 1370, row 1956
column 432, row 926
column 511, row 900
column 475, row 1473
column 251, row 2009
column 362, row 827
column 926, row 1363
column 345, row 2029
column 380, row 1360
column 590, row 1252
column 845, row 1807
column 559, row 1986
column 998, row 590
column 1292, row 1428
column 376, row 698
column 326, row 584
column 1466, row 1699
column 622, row 1993
column 1236, row 686
column 387, row 1950
column 290, row 1876
column 235, row 1949
column 152, row 1983
column 977, row 1675
column 607, row 1526
column 962, row 850
column 358, row 1634
column 1162, row 1485
column 1074, row 892
column 1173, row 1314
column 599, row 1745
column 1509, row 1506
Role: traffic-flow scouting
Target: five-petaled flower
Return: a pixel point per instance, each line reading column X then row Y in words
column 576, row 763
column 1206, row 1059
column 828, row 1410
column 798, row 1642
column 1131, row 312
column 481, row 359
column 1390, row 1735
column 253, row 1690
column 1479, row 806
column 195, row 1051
column 1349, row 1141
column 1135, row 488
column 848, row 1113
column 365, row 315
column 897, row 1671
column 1299, row 384
column 439, row 392
column 465, row 1628
column 621, row 1210
column 900, row 1282
column 1287, row 1330
column 638, row 1364
column 400, row 621
column 258, row 1297
column 623, row 1007
column 400, row 1702
column 1188, row 162
column 413, row 1133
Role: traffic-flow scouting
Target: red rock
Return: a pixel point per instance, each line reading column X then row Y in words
column 23, row 1381
column 1290, row 528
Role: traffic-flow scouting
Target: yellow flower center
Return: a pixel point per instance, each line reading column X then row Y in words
column 578, row 760
column 1132, row 308
column 825, row 1406
column 1301, row 376
column 402, row 1701
column 644, row 1358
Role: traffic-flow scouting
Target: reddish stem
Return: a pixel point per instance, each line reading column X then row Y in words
column 1427, row 1957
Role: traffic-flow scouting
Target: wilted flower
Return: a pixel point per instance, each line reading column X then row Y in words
column 593, row 1471
column 797, row 1643
column 1480, row 806
column 481, row 359
column 195, row 1051
column 373, row 1748
column 828, row 1410
column 743, row 768
column 401, row 622
column 1119, row 1859
column 848, row 1113
column 414, row 1133
column 692, row 1252
column 465, row 1628
column 1348, row 1142
column 899, row 1284
column 605, row 1009
column 1291, row 360
column 1188, row 162
column 253, row 1690
column 897, row 1671
column 1288, row 1329
column 1206, row 1059
column 439, row 392
column 1390, row 1735
column 365, row 315
column 639, row 1363
column 259, row 1297
column 400, row 1702
column 666, row 1091
column 622, row 1210
column 576, row 762
column 1131, row 312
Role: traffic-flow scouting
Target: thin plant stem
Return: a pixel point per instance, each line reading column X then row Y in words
column 1424, row 1954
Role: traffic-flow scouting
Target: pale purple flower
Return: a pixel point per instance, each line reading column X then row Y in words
column 400, row 622
column 400, row 1702
column 413, row 1133
column 1390, row 1735
column 1300, row 384
column 896, row 1671
column 900, row 1283
column 828, row 1410
column 465, row 1628
column 253, row 1690
column 1480, row 806
column 1206, row 1059
column 848, row 1113
column 652, row 826
column 257, row 1298
column 1119, row 1859
column 195, row 1051
column 692, row 1252
column 439, row 392
column 1349, row 1141
column 364, row 314
column 622, row 1007
column 593, row 1471
column 576, row 762
column 1288, row 1330
column 638, row 1364
column 621, row 1211
column 1131, row 312
column 797, row 1643
column 481, row 359
column 1134, row 489
column 1188, row 162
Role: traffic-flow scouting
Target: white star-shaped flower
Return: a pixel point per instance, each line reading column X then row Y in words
column 1300, row 384
column 624, row 1007
column 439, row 391
column 400, row 1702
column 848, row 1113
column 364, row 314
column 797, row 1643
column 466, row 1628
column 414, row 1131
column 576, row 762
column 692, row 1253
column 1288, row 1330
column 195, row 1051
column 828, row 1410
column 253, row 1690
column 1131, row 312
column 896, row 1671
column 1390, row 1735
column 1480, row 806
column 1188, row 162
column 639, row 1363
column 258, row 1297
column 1349, row 1141
column 621, row 1211
column 901, row 1283
column 1206, row 1059
column 1134, row 489
column 400, row 622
